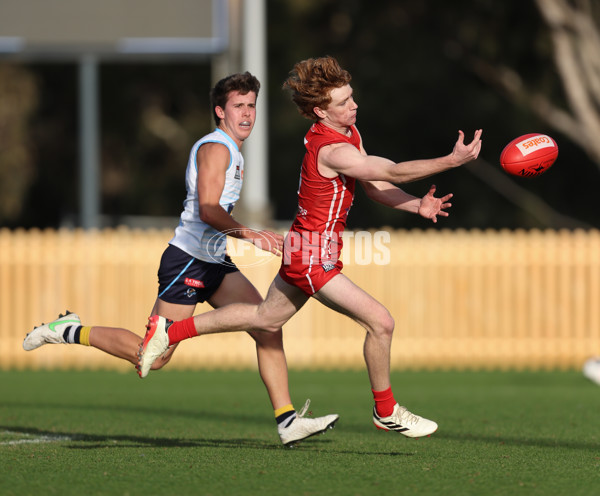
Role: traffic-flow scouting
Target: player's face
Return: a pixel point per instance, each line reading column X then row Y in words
column 238, row 116
column 341, row 112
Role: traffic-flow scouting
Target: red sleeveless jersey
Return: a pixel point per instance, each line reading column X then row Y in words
column 315, row 238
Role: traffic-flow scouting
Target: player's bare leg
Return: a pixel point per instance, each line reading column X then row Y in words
column 345, row 297
column 342, row 295
column 281, row 303
column 125, row 344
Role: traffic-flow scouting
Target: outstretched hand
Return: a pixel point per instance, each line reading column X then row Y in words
column 431, row 206
column 462, row 153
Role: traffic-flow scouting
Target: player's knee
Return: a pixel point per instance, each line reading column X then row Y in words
column 268, row 321
column 265, row 326
column 385, row 325
column 267, row 337
column 272, row 328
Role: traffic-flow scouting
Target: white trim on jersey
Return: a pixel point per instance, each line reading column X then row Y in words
column 327, row 231
column 310, row 266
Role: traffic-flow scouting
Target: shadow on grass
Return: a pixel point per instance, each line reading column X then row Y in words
column 521, row 441
column 81, row 441
column 233, row 415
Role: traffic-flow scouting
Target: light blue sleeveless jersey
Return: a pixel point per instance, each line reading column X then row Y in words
column 192, row 235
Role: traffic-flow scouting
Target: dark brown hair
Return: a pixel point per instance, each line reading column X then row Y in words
column 243, row 83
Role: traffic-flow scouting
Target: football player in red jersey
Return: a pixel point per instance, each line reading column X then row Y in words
column 335, row 160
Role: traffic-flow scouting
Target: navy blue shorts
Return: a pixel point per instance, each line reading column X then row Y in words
column 185, row 280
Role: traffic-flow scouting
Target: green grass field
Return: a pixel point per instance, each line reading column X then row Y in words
column 213, row 433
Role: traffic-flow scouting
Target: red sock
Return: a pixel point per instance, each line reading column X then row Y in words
column 183, row 329
column 384, row 402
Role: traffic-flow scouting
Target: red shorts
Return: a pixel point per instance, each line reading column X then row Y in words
column 302, row 273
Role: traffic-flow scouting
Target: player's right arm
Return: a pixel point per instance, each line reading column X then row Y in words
column 213, row 160
column 343, row 158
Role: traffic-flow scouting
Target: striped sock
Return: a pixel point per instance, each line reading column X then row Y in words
column 77, row 334
column 285, row 415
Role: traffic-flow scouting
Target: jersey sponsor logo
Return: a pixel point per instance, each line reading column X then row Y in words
column 190, row 293
column 238, row 174
column 194, row 283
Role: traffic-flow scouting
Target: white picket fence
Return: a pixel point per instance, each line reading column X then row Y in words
column 460, row 299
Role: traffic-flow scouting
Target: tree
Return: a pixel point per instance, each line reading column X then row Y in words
column 18, row 100
column 420, row 71
column 574, row 28
column 575, row 33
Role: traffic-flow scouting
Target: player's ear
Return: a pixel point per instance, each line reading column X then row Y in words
column 220, row 112
column 319, row 112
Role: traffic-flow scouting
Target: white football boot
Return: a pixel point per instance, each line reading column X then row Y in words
column 303, row 428
column 406, row 423
column 154, row 344
column 51, row 333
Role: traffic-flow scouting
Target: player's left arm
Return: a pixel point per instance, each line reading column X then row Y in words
column 213, row 160
column 389, row 195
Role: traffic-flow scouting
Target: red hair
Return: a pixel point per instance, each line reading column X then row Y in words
column 311, row 82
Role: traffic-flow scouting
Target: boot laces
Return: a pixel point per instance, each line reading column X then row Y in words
column 303, row 410
column 408, row 417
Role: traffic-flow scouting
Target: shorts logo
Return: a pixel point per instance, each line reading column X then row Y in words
column 327, row 266
column 190, row 293
column 194, row 283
